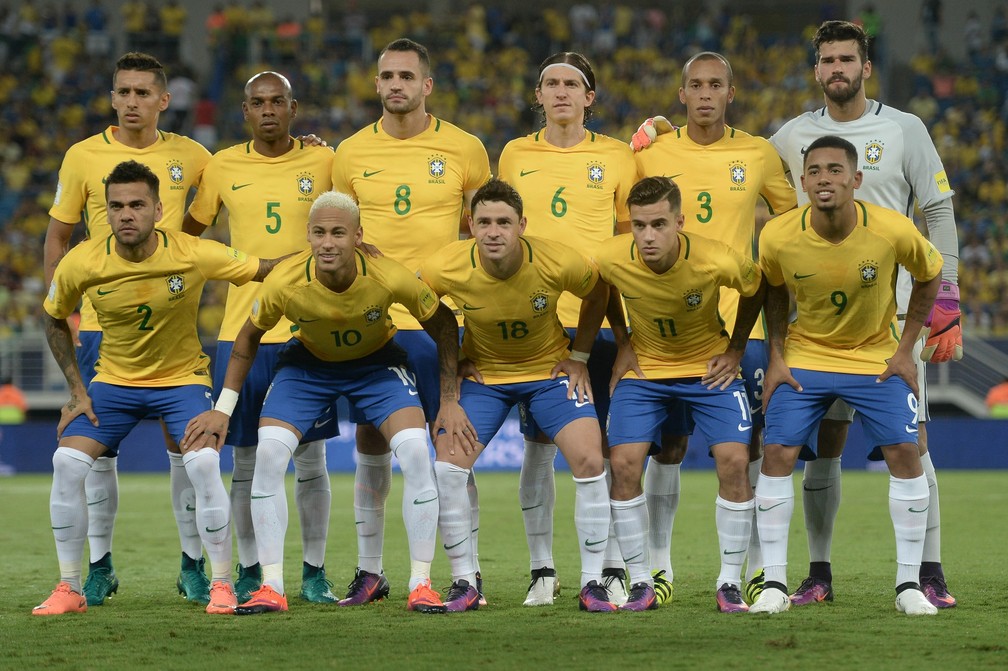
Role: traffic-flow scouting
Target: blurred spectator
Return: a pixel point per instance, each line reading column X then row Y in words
column 184, row 93
column 96, row 42
column 931, row 17
column 13, row 405
column 997, row 400
column 173, row 17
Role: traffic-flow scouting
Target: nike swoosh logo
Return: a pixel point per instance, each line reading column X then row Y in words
column 308, row 321
column 802, row 277
column 319, row 423
column 466, row 306
column 538, row 505
column 413, row 392
column 190, row 508
column 589, row 544
column 418, row 502
column 630, row 298
column 909, row 429
column 106, row 293
column 761, row 508
column 263, row 496
column 630, row 559
column 370, row 173
column 449, row 547
column 523, row 173
column 66, row 527
column 815, row 489
column 733, row 552
column 803, row 150
column 744, row 427
column 236, row 480
column 94, row 503
column 922, row 510
column 361, row 522
column 235, row 187
column 310, row 479
column 581, row 404
column 210, row 531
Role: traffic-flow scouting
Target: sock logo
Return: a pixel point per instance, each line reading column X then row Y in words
column 763, row 510
column 922, row 510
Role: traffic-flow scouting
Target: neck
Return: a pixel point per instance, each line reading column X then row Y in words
column 705, row 135
column 338, row 280
column 405, row 126
column 273, row 148
column 849, row 111
column 834, row 225
column 135, row 139
column 502, row 269
column 139, row 252
column 564, row 135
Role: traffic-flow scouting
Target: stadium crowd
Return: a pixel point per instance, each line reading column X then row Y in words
column 55, row 78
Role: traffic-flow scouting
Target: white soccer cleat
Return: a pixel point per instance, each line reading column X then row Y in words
column 913, row 602
column 772, row 600
column 544, row 587
column 614, row 580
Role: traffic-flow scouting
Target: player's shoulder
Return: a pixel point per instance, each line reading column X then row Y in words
column 98, row 142
column 904, row 120
column 523, row 142
column 367, row 133
column 616, row 247
column 174, row 140
column 786, row 224
column 293, row 271
column 878, row 216
column 440, row 127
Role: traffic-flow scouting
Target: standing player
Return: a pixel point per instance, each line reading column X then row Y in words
column 724, row 173
column 838, row 257
column 268, row 185
column 413, row 176
column 574, row 184
column 900, row 167
column 139, row 95
column 145, row 285
column 671, row 282
column 343, row 346
column 508, row 287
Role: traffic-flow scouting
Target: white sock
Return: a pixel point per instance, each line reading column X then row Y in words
column 454, row 522
column 102, row 489
column 631, row 521
column 183, row 500
column 932, row 539
column 420, row 500
column 661, row 489
column 474, row 512
column 612, row 557
column 821, row 500
column 68, row 511
column 754, row 557
column 774, row 507
column 908, row 504
column 592, row 518
column 269, row 500
column 213, row 510
column 734, row 530
column 372, row 481
column 537, row 497
column 313, row 497
column 241, row 504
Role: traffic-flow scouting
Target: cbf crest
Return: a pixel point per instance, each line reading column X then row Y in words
column 873, row 152
column 737, row 174
column 869, row 273
column 596, row 172
column 437, row 165
column 693, row 299
column 175, row 172
column 372, row 314
column 176, row 284
column 539, row 301
column 306, row 184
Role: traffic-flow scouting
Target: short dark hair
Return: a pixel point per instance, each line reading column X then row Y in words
column 651, row 190
column 709, row 56
column 570, row 58
column 131, row 172
column 841, row 31
column 406, row 44
column 498, row 191
column 833, row 142
column 141, row 62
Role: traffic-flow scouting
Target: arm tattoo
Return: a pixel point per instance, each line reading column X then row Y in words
column 60, row 341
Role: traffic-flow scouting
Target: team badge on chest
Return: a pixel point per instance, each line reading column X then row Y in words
column 873, row 152
column 693, row 299
column 539, row 301
column 175, row 173
column 737, row 174
column 596, row 172
column 869, row 273
column 437, row 165
column 176, row 284
column 372, row 314
column 306, row 184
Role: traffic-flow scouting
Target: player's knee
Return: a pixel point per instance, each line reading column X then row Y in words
column 673, row 450
column 370, row 440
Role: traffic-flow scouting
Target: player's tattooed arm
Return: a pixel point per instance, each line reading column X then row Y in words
column 266, row 265
column 776, row 308
column 60, row 341
column 452, row 419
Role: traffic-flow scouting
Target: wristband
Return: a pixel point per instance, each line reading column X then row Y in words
column 227, row 401
column 579, row 356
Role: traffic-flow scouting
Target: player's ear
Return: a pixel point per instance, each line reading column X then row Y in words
column 731, row 94
column 158, row 211
column 866, row 70
column 858, row 177
column 165, row 99
column 293, row 107
column 521, row 225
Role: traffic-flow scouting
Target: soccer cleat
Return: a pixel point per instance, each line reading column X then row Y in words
column 314, row 586
column 544, row 587
column 812, row 590
column 771, row 600
column 62, row 600
column 934, row 589
column 365, row 588
column 249, row 580
column 192, row 581
column 479, row 588
column 594, row 598
column 101, row 584
column 222, row 598
column 662, row 587
column 913, row 602
column 614, row 580
column 461, row 597
column 263, row 600
column 754, row 587
column 729, row 599
column 642, row 597
column 423, row 599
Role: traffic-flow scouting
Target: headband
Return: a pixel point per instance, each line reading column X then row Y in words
column 569, row 66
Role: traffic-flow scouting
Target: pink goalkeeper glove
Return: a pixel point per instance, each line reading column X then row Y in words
column 944, row 333
column 649, row 130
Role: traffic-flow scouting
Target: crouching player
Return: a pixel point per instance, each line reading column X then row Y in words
column 517, row 351
column 339, row 301
column 671, row 282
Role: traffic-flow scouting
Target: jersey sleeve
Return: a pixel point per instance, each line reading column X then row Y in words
column 777, row 190
column 768, row 256
column 71, row 189
column 207, row 203
column 477, row 166
column 411, row 292
column 579, row 274
column 739, row 273
column 915, row 253
column 628, row 176
column 340, row 176
column 921, row 164
column 268, row 306
column 217, row 261
column 66, row 289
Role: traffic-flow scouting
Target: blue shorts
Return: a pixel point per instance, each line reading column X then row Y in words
column 87, row 354
column 640, row 408
column 244, row 428
column 121, row 408
column 304, row 386
column 546, row 400
column 754, row 365
column 888, row 409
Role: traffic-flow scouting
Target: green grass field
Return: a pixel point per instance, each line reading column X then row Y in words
column 148, row 625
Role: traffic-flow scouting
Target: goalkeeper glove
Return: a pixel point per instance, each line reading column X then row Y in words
column 944, row 333
column 649, row 130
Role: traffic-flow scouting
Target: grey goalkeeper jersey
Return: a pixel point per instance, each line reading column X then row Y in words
column 899, row 162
